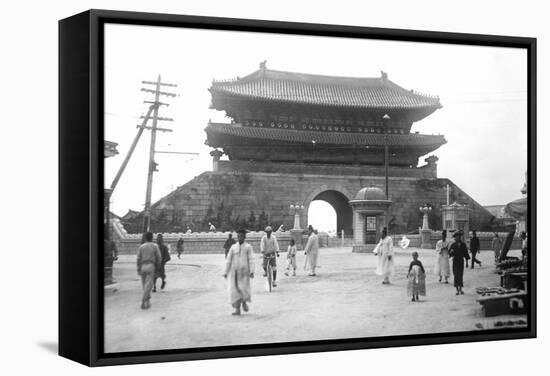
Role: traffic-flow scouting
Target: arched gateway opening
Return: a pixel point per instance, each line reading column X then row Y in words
column 342, row 210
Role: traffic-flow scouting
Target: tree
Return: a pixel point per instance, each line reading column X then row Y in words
column 252, row 221
column 263, row 220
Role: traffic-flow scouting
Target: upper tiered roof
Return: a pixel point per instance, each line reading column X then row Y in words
column 302, row 88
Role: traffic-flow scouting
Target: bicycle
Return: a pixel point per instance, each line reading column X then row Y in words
column 269, row 271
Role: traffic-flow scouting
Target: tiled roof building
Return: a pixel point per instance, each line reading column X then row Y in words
column 310, row 117
column 300, row 88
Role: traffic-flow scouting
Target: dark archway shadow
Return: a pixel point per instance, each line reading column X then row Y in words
column 344, row 212
column 51, row 347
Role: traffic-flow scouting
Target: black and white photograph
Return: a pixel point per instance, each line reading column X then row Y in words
column 276, row 188
column 269, row 188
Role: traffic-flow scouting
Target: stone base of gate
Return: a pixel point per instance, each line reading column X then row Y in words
column 363, row 248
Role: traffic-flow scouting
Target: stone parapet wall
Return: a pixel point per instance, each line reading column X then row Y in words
column 485, row 240
column 336, row 242
column 424, row 172
column 231, row 197
column 208, row 242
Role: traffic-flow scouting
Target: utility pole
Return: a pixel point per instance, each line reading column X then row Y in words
column 385, row 120
column 152, row 165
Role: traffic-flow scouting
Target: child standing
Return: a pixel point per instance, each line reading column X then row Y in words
column 291, row 258
column 417, row 278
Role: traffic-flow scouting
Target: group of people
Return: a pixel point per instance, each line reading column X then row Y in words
column 445, row 250
column 240, row 263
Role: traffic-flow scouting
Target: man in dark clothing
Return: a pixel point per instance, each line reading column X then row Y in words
column 459, row 252
column 164, row 258
column 228, row 243
column 474, row 248
column 179, row 246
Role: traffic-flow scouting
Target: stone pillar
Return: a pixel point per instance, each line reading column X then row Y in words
column 426, row 239
column 425, row 233
column 297, row 236
column 432, row 164
column 296, row 221
column 216, row 154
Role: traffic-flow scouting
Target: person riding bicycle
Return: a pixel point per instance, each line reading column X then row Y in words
column 269, row 248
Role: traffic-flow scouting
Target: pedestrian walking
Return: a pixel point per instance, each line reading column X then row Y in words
column 269, row 249
column 228, row 243
column 291, row 258
column 496, row 245
column 179, row 246
column 148, row 260
column 239, row 269
column 384, row 250
column 459, row 252
column 442, row 263
column 312, row 251
column 164, row 258
column 417, row 278
column 474, row 248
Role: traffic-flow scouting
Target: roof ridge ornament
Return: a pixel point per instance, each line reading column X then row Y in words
column 263, row 67
column 383, row 76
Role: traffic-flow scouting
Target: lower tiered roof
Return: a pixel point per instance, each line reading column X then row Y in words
column 220, row 135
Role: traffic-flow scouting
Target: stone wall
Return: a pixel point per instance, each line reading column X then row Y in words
column 208, row 242
column 423, row 172
column 485, row 240
column 229, row 199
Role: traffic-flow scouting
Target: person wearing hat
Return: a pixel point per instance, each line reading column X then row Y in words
column 239, row 269
column 459, row 252
column 384, row 250
column 269, row 248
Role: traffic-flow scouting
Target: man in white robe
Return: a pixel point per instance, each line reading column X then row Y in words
column 384, row 250
column 312, row 251
column 239, row 267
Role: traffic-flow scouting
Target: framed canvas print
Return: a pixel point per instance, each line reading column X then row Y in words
column 234, row 187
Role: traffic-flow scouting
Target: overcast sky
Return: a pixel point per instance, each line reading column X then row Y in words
column 483, row 91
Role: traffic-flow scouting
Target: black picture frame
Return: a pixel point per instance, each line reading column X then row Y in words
column 81, row 184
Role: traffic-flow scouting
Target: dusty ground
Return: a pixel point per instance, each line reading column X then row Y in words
column 345, row 300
